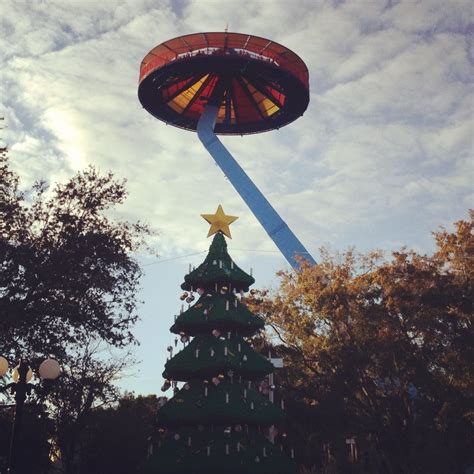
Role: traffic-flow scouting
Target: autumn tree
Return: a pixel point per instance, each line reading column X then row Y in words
column 380, row 350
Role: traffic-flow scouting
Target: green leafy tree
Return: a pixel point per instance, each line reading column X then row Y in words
column 87, row 384
column 67, row 278
column 381, row 351
column 66, row 268
column 38, row 430
column 116, row 438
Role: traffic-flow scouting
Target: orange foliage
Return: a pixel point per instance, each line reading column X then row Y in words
column 387, row 344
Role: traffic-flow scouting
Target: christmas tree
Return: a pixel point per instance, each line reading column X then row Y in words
column 218, row 421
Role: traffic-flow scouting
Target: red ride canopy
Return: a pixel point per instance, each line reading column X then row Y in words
column 261, row 85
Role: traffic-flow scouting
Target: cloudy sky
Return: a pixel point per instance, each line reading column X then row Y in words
column 381, row 158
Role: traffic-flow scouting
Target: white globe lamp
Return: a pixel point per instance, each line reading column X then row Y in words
column 49, row 369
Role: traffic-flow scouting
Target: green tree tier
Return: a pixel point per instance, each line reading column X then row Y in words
column 200, row 403
column 222, row 310
column 218, row 268
column 217, row 421
column 207, row 356
column 204, row 451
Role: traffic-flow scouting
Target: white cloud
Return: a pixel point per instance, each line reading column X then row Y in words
column 389, row 124
column 382, row 156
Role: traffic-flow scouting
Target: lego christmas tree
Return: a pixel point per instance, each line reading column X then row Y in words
column 218, row 420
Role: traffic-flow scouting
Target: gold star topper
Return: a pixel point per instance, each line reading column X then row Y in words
column 219, row 221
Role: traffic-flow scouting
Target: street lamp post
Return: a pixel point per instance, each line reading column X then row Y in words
column 48, row 370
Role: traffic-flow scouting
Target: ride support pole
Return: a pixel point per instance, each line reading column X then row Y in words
column 274, row 225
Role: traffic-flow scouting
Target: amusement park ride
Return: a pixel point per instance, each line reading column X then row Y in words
column 229, row 84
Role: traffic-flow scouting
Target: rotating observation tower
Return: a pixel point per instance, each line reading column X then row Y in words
column 229, row 84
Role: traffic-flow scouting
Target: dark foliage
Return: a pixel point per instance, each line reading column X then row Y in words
column 66, row 271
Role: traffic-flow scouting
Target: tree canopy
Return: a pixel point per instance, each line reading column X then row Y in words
column 67, row 271
column 68, row 289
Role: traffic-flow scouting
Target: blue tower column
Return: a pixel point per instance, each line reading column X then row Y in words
column 274, row 225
